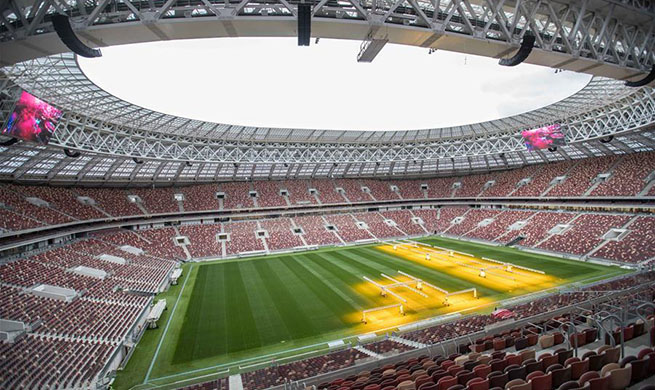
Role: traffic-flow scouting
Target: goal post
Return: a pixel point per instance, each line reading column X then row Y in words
column 472, row 290
column 400, row 307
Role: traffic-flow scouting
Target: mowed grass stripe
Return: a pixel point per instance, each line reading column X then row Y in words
column 317, row 277
column 291, row 312
column 268, row 320
column 310, row 297
column 197, row 315
column 241, row 330
column 342, row 274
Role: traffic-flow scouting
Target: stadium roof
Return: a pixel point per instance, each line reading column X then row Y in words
column 60, row 81
column 123, row 143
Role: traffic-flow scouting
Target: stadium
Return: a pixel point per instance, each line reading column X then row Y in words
column 145, row 249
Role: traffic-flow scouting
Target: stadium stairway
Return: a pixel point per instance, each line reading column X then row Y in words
column 410, row 343
column 368, row 352
column 235, row 382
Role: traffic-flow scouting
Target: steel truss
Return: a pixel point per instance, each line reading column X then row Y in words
column 83, row 133
column 619, row 33
column 97, row 122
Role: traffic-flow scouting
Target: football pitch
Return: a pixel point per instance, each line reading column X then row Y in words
column 231, row 314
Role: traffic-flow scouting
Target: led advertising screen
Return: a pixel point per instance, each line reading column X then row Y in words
column 544, row 137
column 32, row 120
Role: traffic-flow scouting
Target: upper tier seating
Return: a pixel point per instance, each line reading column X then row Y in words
column 15, row 221
column 410, row 189
column 506, row 182
column 14, row 199
column 157, row 200
column 629, row 177
column 441, row 187
column 473, row 185
column 61, row 199
column 113, row 201
column 380, row 189
column 542, row 178
column 327, row 192
column 199, row 197
column 237, row 195
column 268, row 194
column 298, row 192
column 578, row 180
column 353, row 190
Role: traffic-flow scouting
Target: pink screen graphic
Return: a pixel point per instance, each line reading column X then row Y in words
column 543, row 137
column 32, row 120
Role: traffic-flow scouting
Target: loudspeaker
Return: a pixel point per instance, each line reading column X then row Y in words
column 71, row 153
column 552, row 149
column 9, row 142
column 522, row 54
column 63, row 28
column 606, row 140
column 304, row 24
column 137, row 161
column 646, row 80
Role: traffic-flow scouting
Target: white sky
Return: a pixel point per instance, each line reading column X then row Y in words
column 271, row 82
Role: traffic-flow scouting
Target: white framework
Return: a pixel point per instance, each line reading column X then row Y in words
column 601, row 37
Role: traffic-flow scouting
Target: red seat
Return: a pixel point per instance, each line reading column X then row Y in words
column 483, row 384
column 464, row 376
column 578, row 368
column 513, row 359
column 644, row 352
column 533, row 365
column 561, row 376
column 548, row 360
column 533, row 374
column 498, row 379
column 542, row 382
column 498, row 365
column 599, row 383
column 532, row 339
column 628, row 332
column 559, row 338
column 446, row 382
column 482, row 370
column 453, row 370
column 587, row 376
column 595, row 362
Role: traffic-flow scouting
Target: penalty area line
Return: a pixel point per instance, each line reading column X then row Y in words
column 168, row 323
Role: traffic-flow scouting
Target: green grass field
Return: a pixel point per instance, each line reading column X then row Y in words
column 234, row 313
